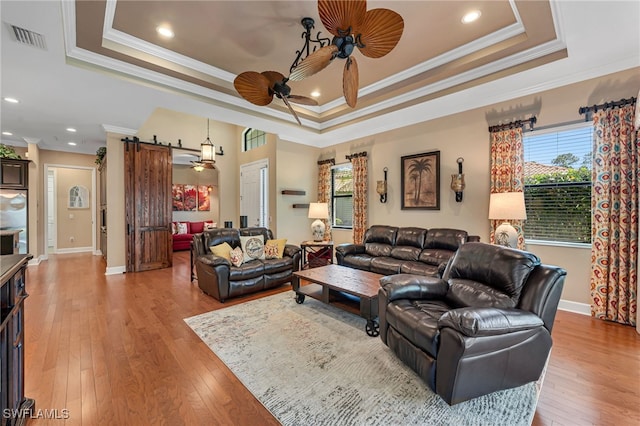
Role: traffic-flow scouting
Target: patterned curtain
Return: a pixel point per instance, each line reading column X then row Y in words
column 614, row 203
column 324, row 192
column 360, row 179
column 507, row 171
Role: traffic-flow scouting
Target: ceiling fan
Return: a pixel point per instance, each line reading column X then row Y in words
column 374, row 32
column 260, row 88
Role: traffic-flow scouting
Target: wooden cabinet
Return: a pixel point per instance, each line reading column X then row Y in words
column 14, row 174
column 13, row 403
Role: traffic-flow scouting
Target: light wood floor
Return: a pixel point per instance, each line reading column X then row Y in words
column 115, row 350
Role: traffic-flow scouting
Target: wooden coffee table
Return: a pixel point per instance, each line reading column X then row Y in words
column 350, row 289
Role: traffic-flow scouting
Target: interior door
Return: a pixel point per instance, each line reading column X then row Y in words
column 254, row 193
column 148, row 179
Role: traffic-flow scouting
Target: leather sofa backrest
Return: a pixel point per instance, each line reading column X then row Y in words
column 381, row 234
column 213, row 237
column 486, row 275
column 412, row 237
column 435, row 257
column 444, row 238
column 253, row 231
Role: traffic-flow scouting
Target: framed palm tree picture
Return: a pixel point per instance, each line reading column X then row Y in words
column 420, row 181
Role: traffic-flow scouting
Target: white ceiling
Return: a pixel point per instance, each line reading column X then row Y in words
column 68, row 86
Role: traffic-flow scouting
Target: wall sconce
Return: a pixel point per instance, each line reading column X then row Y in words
column 457, row 181
column 381, row 188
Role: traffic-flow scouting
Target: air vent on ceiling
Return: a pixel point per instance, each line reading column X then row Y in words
column 25, row 36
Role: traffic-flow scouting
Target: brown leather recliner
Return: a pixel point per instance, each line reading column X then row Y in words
column 483, row 327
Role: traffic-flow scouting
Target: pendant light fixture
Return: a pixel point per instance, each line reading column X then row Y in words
column 207, row 149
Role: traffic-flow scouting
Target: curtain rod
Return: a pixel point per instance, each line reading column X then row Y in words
column 331, row 161
column 606, row 105
column 356, row 155
column 514, row 124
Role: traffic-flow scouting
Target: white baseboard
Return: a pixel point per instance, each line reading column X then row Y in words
column 576, row 307
column 74, row 250
column 97, row 252
column 35, row 261
column 115, row 270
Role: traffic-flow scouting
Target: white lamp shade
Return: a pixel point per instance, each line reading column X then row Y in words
column 318, row 211
column 208, row 151
column 507, row 205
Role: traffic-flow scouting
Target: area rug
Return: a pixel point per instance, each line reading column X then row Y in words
column 313, row 364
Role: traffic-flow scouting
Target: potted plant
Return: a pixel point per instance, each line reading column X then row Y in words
column 8, row 152
column 100, row 153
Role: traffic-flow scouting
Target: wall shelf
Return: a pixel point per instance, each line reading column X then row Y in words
column 293, row 192
column 301, row 206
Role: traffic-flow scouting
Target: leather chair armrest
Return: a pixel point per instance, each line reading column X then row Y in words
column 473, row 238
column 411, row 286
column 478, row 322
column 348, row 248
column 213, row 260
column 291, row 250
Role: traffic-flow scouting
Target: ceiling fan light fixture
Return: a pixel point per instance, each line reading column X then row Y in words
column 471, row 16
column 207, row 149
column 198, row 167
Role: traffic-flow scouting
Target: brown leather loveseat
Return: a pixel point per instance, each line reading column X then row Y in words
column 216, row 275
column 391, row 250
column 483, row 327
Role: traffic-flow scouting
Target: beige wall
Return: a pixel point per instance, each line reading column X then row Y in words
column 73, row 225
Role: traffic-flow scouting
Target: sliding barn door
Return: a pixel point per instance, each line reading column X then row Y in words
column 148, row 177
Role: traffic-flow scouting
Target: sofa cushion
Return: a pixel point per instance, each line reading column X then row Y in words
column 445, row 238
column 222, row 250
column 385, row 265
column 277, row 265
column 358, row 261
column 182, row 228
column 435, row 257
column 196, row 227
column 419, row 268
column 236, row 257
column 377, row 249
column 381, row 234
column 417, row 320
column 252, row 247
column 405, row 252
column 279, row 248
column 251, row 269
column 413, row 237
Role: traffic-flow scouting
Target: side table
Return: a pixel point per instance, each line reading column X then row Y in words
column 316, row 253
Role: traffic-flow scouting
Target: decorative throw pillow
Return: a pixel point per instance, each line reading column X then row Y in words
column 174, row 230
column 210, row 225
column 236, row 256
column 252, row 247
column 279, row 246
column 222, row 250
column 181, row 228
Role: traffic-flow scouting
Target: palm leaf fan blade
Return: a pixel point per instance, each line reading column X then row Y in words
column 273, row 77
column 313, row 63
column 381, row 32
column 302, row 100
column 254, row 87
column 286, row 102
column 350, row 82
column 340, row 15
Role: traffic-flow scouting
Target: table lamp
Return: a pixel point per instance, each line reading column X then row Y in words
column 318, row 211
column 507, row 206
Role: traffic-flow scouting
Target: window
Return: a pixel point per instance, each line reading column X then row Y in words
column 253, row 138
column 342, row 196
column 557, row 188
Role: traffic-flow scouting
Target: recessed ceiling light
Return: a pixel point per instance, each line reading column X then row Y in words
column 165, row 31
column 315, row 94
column 71, row 129
column 471, row 16
column 7, row 133
column 71, row 143
column 12, row 100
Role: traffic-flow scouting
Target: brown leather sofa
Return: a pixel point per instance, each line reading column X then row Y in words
column 483, row 327
column 217, row 277
column 391, row 250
